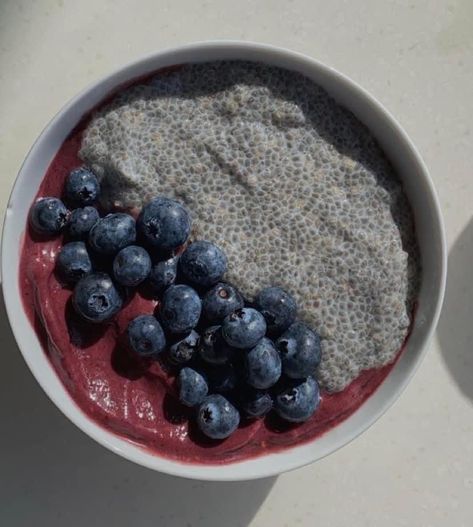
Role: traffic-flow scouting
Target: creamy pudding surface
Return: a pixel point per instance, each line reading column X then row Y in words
column 291, row 185
column 298, row 194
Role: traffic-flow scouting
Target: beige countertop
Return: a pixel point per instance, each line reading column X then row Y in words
column 414, row 467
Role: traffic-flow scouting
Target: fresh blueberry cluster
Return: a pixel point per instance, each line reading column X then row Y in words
column 233, row 358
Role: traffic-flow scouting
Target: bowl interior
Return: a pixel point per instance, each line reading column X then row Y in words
column 417, row 185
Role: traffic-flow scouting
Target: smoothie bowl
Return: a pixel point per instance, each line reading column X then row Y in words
column 238, row 266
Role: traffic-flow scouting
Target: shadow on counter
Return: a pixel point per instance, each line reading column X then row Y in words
column 53, row 474
column 455, row 330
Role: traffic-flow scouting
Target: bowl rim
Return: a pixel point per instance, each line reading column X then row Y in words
column 127, row 449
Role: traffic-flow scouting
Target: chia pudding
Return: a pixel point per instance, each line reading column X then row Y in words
column 297, row 193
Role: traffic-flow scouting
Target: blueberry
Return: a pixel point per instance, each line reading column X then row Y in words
column 81, row 221
column 49, row 216
column 222, row 379
column 220, row 301
column 164, row 223
column 244, row 328
column 82, row 187
column 131, row 266
column 213, row 348
column 112, row 233
column 73, row 262
column 300, row 351
column 185, row 349
column 203, row 263
column 217, row 417
column 278, row 308
column 95, row 297
column 256, row 403
column 163, row 274
column 180, row 308
column 263, row 365
column 146, row 336
column 193, row 387
column 298, row 401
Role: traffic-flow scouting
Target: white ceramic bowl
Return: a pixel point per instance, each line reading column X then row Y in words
column 399, row 149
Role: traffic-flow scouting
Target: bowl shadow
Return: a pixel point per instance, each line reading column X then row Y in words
column 52, row 474
column 455, row 329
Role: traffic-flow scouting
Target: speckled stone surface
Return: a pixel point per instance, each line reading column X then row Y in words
column 414, row 467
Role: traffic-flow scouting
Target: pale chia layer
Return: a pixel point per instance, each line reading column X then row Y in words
column 291, row 185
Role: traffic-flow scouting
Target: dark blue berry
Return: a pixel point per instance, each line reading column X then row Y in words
column 220, row 301
column 244, row 328
column 49, row 216
column 82, row 187
column 95, row 297
column 300, row 351
column 146, row 336
column 213, row 348
column 112, row 233
column 256, row 403
column 263, row 365
column 184, row 350
column 180, row 308
column 222, row 379
column 203, row 263
column 163, row 274
column 193, row 387
column 217, row 417
column 298, row 401
column 73, row 262
column 131, row 266
column 164, row 223
column 81, row 221
column 278, row 308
